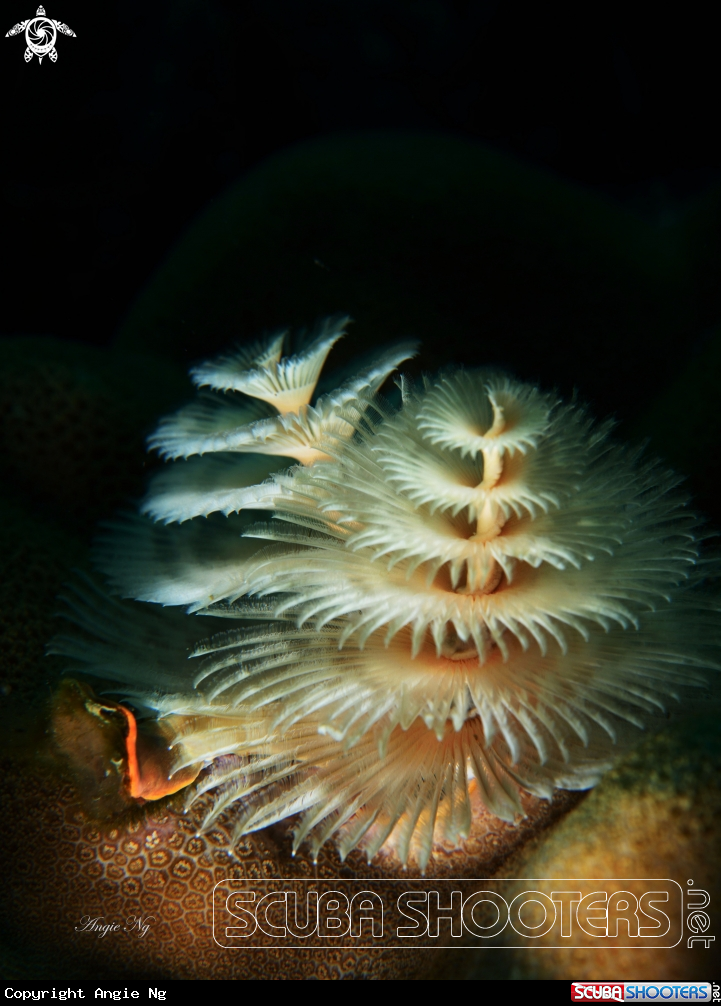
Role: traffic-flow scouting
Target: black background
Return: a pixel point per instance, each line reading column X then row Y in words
column 154, row 108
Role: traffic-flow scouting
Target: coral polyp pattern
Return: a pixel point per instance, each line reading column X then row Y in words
column 421, row 609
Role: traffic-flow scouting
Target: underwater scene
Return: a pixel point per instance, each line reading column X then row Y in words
column 362, row 594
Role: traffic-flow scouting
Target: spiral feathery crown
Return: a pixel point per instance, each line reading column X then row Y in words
column 476, row 593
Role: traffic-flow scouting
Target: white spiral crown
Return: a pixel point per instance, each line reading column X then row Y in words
column 476, row 593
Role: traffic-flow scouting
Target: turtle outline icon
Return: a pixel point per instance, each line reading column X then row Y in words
column 40, row 34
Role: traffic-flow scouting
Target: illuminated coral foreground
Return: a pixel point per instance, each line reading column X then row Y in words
column 474, row 592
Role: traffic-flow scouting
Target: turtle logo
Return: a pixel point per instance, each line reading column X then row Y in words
column 40, row 34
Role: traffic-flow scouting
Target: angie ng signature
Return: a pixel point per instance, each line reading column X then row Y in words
column 136, row 924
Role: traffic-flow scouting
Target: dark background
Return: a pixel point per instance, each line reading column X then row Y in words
column 157, row 107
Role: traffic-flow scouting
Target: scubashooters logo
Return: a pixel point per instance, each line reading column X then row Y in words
column 496, row 913
column 41, row 33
